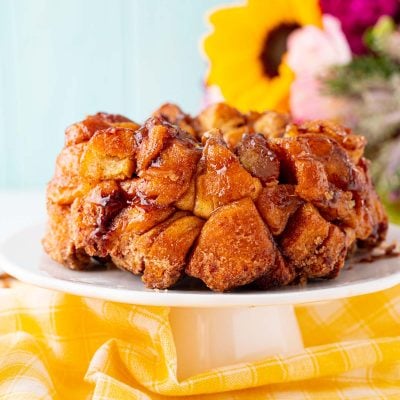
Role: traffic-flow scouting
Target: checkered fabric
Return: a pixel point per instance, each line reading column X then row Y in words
column 59, row 346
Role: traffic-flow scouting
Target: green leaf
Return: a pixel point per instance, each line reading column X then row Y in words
column 374, row 36
column 393, row 212
column 346, row 79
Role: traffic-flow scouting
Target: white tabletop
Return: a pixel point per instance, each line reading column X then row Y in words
column 19, row 209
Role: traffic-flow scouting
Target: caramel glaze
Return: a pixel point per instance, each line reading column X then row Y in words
column 232, row 199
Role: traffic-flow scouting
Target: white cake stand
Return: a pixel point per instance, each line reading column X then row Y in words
column 210, row 329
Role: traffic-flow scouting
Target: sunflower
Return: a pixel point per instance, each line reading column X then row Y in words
column 246, row 50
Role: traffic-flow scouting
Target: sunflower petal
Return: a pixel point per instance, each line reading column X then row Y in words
column 234, row 46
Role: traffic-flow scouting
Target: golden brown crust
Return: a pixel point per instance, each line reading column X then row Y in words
column 226, row 256
column 66, row 184
column 84, row 130
column 313, row 246
column 230, row 198
column 282, row 273
column 174, row 115
column 276, row 204
column 128, row 251
column 165, row 260
column 58, row 242
column 160, row 253
column 271, row 124
column 122, row 239
column 166, row 162
column 109, row 154
column 92, row 216
column 353, row 144
column 221, row 179
column 227, row 119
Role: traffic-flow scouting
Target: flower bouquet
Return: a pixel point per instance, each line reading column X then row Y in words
column 327, row 59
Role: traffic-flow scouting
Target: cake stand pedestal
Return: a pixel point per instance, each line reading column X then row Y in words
column 207, row 338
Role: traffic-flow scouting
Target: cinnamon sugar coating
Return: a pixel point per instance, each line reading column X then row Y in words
column 229, row 198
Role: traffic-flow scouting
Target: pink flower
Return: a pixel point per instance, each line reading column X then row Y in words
column 358, row 15
column 310, row 52
column 212, row 95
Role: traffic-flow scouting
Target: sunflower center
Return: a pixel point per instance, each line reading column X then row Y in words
column 275, row 46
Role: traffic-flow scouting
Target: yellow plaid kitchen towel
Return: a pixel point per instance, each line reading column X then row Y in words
column 59, row 346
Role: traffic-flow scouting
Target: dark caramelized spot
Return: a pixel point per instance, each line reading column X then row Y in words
column 257, row 158
column 287, row 171
column 155, row 136
column 276, row 204
column 275, row 46
column 109, row 207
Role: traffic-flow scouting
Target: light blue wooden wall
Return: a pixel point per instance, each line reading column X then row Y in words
column 63, row 59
